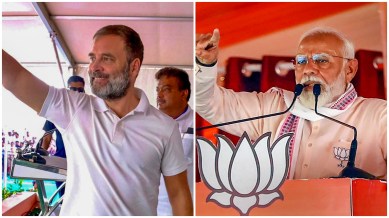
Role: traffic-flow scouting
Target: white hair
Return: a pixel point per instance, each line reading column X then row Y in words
column 348, row 47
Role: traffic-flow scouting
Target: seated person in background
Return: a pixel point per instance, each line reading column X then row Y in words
column 324, row 56
column 173, row 93
column 75, row 83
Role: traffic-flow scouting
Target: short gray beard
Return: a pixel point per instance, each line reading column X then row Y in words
column 116, row 87
column 328, row 91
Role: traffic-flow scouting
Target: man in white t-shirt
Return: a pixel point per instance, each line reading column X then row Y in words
column 117, row 144
column 173, row 93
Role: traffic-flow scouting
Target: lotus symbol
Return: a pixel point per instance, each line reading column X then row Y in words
column 246, row 176
column 341, row 154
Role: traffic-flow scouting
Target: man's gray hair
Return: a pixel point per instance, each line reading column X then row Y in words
column 348, row 47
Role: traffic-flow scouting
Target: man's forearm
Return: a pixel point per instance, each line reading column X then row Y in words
column 10, row 71
column 46, row 141
column 205, row 89
column 182, row 204
column 23, row 84
column 179, row 194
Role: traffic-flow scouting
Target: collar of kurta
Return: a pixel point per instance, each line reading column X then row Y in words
column 344, row 102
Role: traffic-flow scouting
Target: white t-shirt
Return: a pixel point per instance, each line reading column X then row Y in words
column 114, row 165
column 185, row 121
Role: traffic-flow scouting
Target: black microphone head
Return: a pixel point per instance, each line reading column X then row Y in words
column 316, row 89
column 298, row 89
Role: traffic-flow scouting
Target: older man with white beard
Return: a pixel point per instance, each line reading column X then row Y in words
column 324, row 56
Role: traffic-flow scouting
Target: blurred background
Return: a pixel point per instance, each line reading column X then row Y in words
column 253, row 30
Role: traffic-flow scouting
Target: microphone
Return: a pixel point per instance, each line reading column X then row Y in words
column 350, row 171
column 297, row 91
column 36, row 156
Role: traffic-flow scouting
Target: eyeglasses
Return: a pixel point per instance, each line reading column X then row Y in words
column 77, row 89
column 322, row 60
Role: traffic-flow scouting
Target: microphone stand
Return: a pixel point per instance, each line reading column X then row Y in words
column 297, row 91
column 350, row 171
column 36, row 156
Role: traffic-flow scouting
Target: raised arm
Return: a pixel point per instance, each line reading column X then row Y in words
column 20, row 82
column 207, row 47
column 217, row 104
column 179, row 194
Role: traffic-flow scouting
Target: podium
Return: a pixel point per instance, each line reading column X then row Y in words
column 313, row 197
column 55, row 169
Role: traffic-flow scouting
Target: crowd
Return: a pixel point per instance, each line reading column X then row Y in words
column 12, row 141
